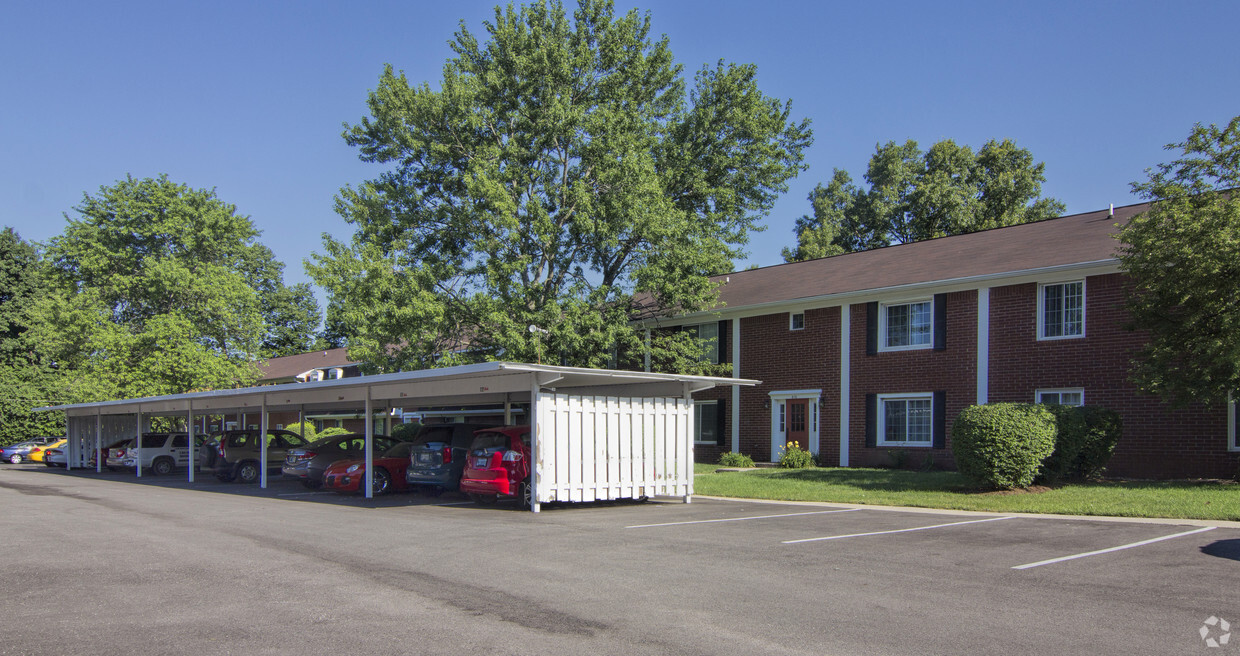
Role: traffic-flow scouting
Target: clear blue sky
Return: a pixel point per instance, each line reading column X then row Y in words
column 249, row 98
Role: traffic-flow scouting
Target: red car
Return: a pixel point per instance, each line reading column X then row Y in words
column 498, row 466
column 348, row 476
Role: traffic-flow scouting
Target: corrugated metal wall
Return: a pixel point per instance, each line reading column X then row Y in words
column 82, row 434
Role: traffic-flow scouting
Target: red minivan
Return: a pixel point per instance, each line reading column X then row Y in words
column 498, row 466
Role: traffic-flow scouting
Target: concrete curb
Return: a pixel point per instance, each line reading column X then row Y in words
column 977, row 513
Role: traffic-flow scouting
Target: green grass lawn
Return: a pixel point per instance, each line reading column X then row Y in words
column 894, row 487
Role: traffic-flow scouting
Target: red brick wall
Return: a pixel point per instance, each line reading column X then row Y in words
column 953, row 370
column 1159, row 441
column 786, row 359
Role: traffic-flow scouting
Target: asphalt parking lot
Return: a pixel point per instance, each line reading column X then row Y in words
column 108, row 564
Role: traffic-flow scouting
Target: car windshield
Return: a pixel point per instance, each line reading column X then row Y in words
column 401, row 450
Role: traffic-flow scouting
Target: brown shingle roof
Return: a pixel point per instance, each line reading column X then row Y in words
column 291, row 365
column 1075, row 239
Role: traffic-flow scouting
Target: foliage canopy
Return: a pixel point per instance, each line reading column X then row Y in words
column 1183, row 256
column 561, row 170
column 915, row 195
column 158, row 288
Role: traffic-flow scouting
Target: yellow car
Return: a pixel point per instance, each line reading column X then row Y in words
column 36, row 454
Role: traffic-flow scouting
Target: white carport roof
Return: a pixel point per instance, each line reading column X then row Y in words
column 477, row 384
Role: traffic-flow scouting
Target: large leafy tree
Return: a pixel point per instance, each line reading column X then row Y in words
column 915, row 195
column 29, row 381
column 159, row 288
column 1183, row 256
column 561, row 170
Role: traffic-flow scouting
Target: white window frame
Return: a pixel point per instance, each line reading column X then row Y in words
column 881, row 419
column 698, row 409
column 712, row 354
column 882, row 326
column 792, row 320
column 1042, row 336
column 1037, row 395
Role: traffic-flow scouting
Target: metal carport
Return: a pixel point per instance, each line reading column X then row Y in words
column 597, row 433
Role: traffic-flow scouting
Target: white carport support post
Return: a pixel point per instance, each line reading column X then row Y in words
column 535, row 442
column 688, row 442
column 301, row 421
column 137, row 440
column 189, row 429
column 98, row 440
column 262, row 443
column 369, row 480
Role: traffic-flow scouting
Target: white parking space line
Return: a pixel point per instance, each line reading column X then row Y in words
column 1121, row 547
column 900, row 530
column 741, row 519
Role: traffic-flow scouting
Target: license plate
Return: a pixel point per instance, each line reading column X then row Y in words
column 426, row 457
column 482, row 463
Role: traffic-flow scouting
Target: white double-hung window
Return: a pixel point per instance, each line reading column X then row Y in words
column 708, row 335
column 1061, row 310
column 906, row 325
column 905, row 419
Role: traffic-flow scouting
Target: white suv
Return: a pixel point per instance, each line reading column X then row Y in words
column 161, row 453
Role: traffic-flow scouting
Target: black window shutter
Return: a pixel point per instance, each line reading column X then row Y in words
column 721, row 415
column 940, row 322
column 725, row 328
column 871, row 420
column 938, row 415
column 871, row 328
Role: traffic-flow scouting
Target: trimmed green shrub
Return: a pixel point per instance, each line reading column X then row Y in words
column 1070, row 435
column 334, row 430
column 304, row 429
column 1085, row 441
column 1103, row 429
column 730, row 459
column 405, row 431
column 794, row 457
column 1003, row 444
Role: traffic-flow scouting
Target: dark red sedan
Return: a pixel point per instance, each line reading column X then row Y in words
column 348, row 476
column 498, row 466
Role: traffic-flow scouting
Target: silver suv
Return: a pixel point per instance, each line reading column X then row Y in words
column 161, row 453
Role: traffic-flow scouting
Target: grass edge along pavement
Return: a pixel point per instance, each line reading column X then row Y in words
column 1207, row 499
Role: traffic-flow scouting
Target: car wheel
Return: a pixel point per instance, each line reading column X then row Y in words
column 383, row 481
column 311, row 484
column 484, row 499
column 162, row 466
column 16, row 459
column 248, row 472
column 525, row 495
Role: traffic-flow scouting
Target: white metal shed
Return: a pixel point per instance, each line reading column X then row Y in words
column 597, row 434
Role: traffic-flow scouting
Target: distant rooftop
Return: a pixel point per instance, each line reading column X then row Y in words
column 288, row 367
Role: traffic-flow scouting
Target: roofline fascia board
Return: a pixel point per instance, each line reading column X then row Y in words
column 1042, row 274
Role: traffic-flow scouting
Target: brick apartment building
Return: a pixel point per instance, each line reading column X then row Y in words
column 866, row 358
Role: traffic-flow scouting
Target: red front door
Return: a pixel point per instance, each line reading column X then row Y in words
column 798, row 423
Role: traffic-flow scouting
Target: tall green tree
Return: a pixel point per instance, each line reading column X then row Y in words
column 29, row 381
column 159, row 288
column 560, row 170
column 1183, row 256
column 915, row 195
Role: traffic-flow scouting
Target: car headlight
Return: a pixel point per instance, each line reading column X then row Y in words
column 352, row 468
